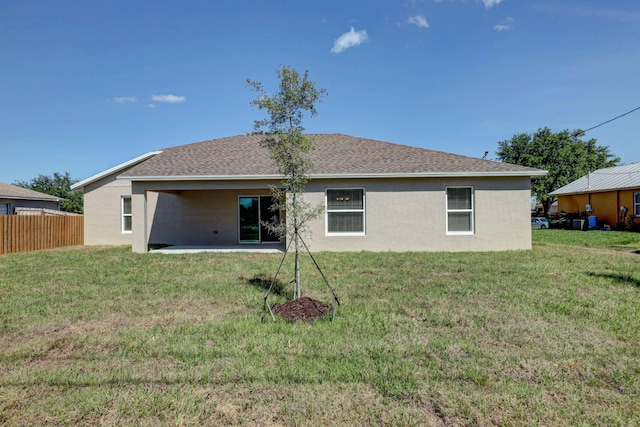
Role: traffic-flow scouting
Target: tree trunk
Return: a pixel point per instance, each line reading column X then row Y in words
column 546, row 205
column 296, row 290
column 296, row 287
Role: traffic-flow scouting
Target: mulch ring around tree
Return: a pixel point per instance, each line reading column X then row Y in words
column 303, row 308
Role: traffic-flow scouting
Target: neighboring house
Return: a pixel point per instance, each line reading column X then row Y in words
column 378, row 196
column 12, row 198
column 610, row 194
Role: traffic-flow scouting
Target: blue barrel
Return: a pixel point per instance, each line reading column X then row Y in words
column 593, row 221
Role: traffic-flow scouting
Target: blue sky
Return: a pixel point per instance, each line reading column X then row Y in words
column 87, row 85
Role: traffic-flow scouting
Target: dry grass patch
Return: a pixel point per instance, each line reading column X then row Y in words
column 546, row 337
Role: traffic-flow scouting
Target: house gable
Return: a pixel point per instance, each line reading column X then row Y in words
column 113, row 171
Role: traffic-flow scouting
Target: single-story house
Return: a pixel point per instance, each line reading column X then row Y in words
column 378, row 196
column 612, row 195
column 13, row 198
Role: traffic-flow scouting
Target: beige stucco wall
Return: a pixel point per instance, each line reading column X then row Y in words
column 410, row 215
column 103, row 212
column 401, row 214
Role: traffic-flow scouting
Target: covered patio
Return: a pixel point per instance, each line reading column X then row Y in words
column 188, row 249
column 191, row 217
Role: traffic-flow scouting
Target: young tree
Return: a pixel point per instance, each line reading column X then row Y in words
column 563, row 154
column 57, row 185
column 289, row 149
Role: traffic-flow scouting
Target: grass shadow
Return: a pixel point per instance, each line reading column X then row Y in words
column 265, row 282
column 621, row 278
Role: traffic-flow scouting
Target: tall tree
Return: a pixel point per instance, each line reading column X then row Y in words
column 564, row 155
column 58, row 185
column 289, row 149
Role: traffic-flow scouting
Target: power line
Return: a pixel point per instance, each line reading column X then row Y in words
column 610, row 120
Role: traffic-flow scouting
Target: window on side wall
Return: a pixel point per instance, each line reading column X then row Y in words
column 460, row 210
column 4, row 208
column 345, row 213
column 126, row 214
column 636, row 204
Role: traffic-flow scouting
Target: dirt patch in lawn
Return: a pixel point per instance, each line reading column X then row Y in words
column 303, row 308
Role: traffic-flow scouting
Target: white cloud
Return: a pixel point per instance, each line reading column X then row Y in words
column 490, row 3
column 151, row 105
column 124, row 99
column 507, row 25
column 418, row 20
column 350, row 39
column 171, row 99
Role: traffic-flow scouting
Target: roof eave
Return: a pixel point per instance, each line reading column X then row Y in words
column 39, row 199
column 591, row 190
column 337, row 176
column 468, row 174
column 121, row 166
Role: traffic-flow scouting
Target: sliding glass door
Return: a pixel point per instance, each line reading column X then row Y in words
column 252, row 212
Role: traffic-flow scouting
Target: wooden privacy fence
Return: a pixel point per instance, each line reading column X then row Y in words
column 22, row 233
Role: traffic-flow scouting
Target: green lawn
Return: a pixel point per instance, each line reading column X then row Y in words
column 102, row 336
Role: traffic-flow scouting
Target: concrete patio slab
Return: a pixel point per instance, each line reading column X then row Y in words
column 221, row 249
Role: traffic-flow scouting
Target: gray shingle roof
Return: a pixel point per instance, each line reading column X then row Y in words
column 9, row 191
column 615, row 178
column 335, row 155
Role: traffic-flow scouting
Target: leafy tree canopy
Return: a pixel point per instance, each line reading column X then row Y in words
column 57, row 185
column 564, row 155
column 284, row 138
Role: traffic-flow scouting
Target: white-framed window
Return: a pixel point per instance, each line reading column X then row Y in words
column 636, row 204
column 460, row 215
column 126, row 214
column 4, row 208
column 345, row 213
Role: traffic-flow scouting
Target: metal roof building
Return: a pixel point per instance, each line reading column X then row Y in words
column 607, row 179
